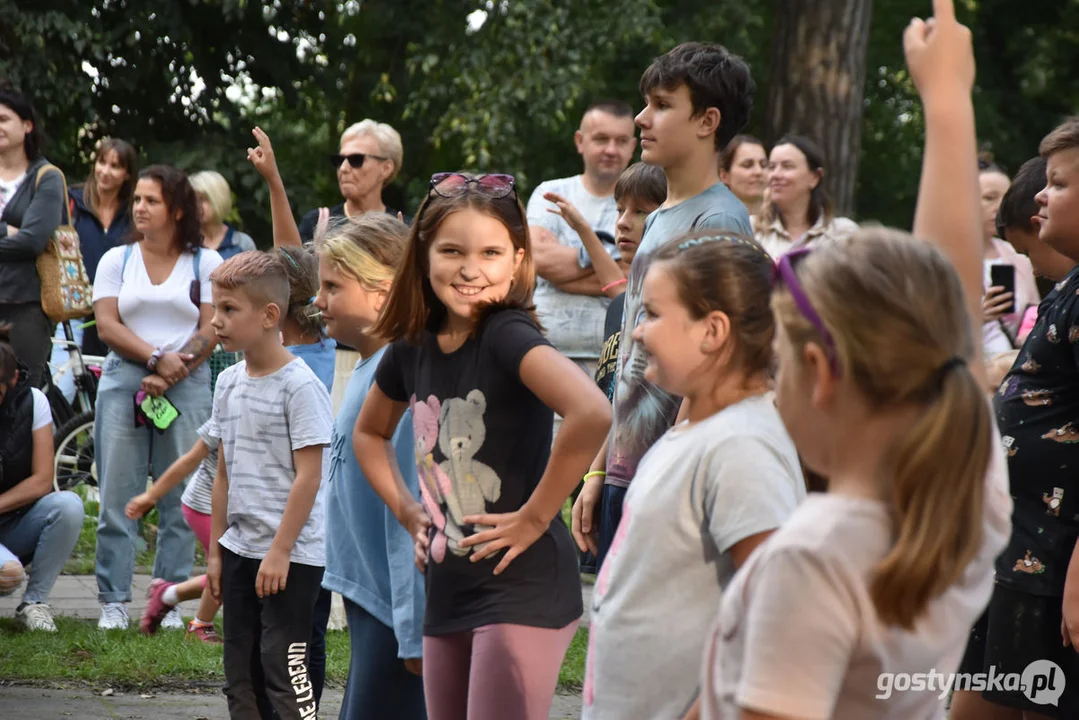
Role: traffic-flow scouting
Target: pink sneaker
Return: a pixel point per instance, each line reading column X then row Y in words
column 203, row 633
column 156, row 608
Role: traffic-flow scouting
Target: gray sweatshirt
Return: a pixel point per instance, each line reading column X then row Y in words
column 37, row 212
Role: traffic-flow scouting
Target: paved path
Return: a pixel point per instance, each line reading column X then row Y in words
column 40, row 703
column 76, row 596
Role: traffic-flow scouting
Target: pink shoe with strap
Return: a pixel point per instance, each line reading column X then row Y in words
column 156, row 607
column 203, row 633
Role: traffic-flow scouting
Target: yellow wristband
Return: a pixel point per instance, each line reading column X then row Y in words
column 594, row 473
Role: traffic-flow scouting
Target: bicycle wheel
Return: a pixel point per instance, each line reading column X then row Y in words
column 74, row 463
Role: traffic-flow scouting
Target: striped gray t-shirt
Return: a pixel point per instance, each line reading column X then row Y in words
column 199, row 493
column 260, row 421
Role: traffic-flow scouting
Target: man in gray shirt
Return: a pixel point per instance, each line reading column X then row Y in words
column 570, row 303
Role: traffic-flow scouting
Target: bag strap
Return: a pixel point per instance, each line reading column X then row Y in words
column 127, row 256
column 63, row 179
column 198, row 256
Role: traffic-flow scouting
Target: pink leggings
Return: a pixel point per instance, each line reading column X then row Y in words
column 493, row 672
column 200, row 523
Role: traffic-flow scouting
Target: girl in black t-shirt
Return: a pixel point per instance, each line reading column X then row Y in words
column 468, row 355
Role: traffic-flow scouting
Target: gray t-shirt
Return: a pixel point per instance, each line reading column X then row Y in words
column 699, row 491
column 574, row 323
column 643, row 412
column 260, row 421
column 199, row 493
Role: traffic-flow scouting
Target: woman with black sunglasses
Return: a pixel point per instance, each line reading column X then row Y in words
column 369, row 159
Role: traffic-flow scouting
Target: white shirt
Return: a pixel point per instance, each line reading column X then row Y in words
column 777, row 241
column 162, row 315
column 8, row 188
column 798, row 633
column 574, row 322
column 42, row 411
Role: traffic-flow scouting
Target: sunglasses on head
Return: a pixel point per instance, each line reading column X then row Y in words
column 355, row 160
column 784, row 271
column 453, row 184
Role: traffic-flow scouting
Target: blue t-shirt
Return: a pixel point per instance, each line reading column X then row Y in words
column 369, row 556
column 643, row 412
column 321, row 357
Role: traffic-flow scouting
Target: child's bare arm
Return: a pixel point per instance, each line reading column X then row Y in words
column 606, row 268
column 173, row 476
column 301, row 498
column 940, row 56
column 586, row 420
column 372, row 440
column 285, row 231
column 218, row 524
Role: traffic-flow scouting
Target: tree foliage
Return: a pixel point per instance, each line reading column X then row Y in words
column 185, row 80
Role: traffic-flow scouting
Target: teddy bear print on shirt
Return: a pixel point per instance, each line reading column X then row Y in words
column 435, row 486
column 474, row 484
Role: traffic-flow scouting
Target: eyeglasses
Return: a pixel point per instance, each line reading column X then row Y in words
column 453, row 184
column 355, row 160
column 784, row 270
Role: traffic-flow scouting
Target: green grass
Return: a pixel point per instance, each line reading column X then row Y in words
column 79, row 652
column 571, row 676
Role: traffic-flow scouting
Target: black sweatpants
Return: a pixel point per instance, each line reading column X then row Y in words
column 267, row 641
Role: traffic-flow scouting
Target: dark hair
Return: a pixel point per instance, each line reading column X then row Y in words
column 820, row 204
column 1018, row 205
column 730, row 273
column 412, row 305
column 1064, row 137
column 34, row 140
column 178, row 194
column 643, row 182
column 715, row 78
column 129, row 159
column 9, row 363
column 301, row 266
column 726, row 157
column 618, row 108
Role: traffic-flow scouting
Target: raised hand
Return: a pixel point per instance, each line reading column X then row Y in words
column 940, row 54
column 262, row 157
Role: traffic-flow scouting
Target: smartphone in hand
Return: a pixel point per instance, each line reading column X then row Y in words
column 1004, row 276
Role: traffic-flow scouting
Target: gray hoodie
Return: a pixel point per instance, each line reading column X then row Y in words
column 37, row 212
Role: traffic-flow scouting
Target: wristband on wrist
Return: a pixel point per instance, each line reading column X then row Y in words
column 594, row 473
column 616, row 283
column 155, row 356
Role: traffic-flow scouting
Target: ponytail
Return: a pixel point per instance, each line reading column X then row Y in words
column 937, row 460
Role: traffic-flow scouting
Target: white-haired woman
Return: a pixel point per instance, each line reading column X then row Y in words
column 215, row 204
column 369, row 159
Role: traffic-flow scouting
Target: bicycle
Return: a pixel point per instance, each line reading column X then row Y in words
column 74, row 422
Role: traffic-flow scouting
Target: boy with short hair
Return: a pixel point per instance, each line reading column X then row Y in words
column 272, row 418
column 698, row 97
column 1036, row 598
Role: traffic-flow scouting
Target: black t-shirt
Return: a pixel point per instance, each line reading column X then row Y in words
column 1037, row 410
column 608, row 357
column 482, row 444
column 309, row 221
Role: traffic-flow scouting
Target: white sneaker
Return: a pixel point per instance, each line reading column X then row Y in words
column 36, row 616
column 173, row 621
column 113, row 617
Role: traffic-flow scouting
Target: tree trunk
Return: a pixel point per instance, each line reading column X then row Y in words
column 817, row 84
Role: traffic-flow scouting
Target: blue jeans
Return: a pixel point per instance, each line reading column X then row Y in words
column 44, row 533
column 126, row 455
column 610, row 514
column 378, row 684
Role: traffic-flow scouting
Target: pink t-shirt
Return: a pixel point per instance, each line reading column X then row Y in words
column 798, row 634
